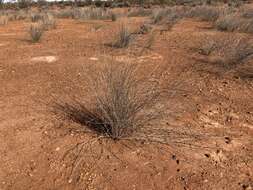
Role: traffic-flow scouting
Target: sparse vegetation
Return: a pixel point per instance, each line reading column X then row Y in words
column 4, row 20
column 36, row 31
column 91, row 13
column 139, row 12
column 35, row 17
column 123, row 37
column 123, row 101
column 48, row 22
column 113, row 17
column 205, row 13
column 227, row 52
column 158, row 15
column 234, row 22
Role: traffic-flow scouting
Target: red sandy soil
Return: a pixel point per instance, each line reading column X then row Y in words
column 215, row 104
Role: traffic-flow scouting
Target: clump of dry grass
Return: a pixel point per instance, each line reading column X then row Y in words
column 205, row 13
column 92, row 13
column 158, row 15
column 36, row 32
column 169, row 16
column 113, row 17
column 150, row 41
column 228, row 51
column 233, row 22
column 65, row 13
column 48, row 22
column 123, row 101
column 139, row 12
column 35, row 17
column 4, row 20
column 122, row 38
column 247, row 13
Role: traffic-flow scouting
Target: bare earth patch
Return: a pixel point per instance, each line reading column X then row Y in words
column 47, row 59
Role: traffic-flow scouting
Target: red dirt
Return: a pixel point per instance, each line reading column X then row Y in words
column 218, row 106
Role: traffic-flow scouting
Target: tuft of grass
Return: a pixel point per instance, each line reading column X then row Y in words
column 247, row 13
column 113, row 17
column 123, row 37
column 4, row 20
column 205, row 13
column 123, row 102
column 36, row 32
column 48, row 22
column 92, row 13
column 227, row 52
column 233, row 22
column 139, row 12
column 35, row 17
column 150, row 41
column 158, row 15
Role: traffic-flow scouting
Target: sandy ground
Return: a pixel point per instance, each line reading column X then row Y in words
column 215, row 104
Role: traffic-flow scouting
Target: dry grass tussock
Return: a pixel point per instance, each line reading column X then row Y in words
column 227, row 51
column 91, row 13
column 123, row 102
column 36, row 31
column 48, row 21
column 234, row 22
column 122, row 38
column 139, row 12
column 4, row 20
column 205, row 13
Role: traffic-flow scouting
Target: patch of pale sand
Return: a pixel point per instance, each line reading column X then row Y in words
column 48, row 59
column 93, row 58
column 140, row 59
column 2, row 44
column 247, row 125
column 8, row 34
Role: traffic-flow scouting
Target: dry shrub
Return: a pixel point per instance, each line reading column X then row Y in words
column 247, row 12
column 113, row 17
column 4, row 20
column 35, row 17
column 48, row 21
column 91, row 13
column 228, row 51
column 65, row 13
column 158, row 15
column 234, row 22
column 150, row 41
column 123, row 37
column 139, row 12
column 205, row 13
column 169, row 16
column 36, row 32
column 122, row 103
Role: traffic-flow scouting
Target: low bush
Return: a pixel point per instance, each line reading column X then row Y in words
column 36, row 32
column 228, row 51
column 48, row 21
column 205, row 13
column 234, row 22
column 139, row 12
